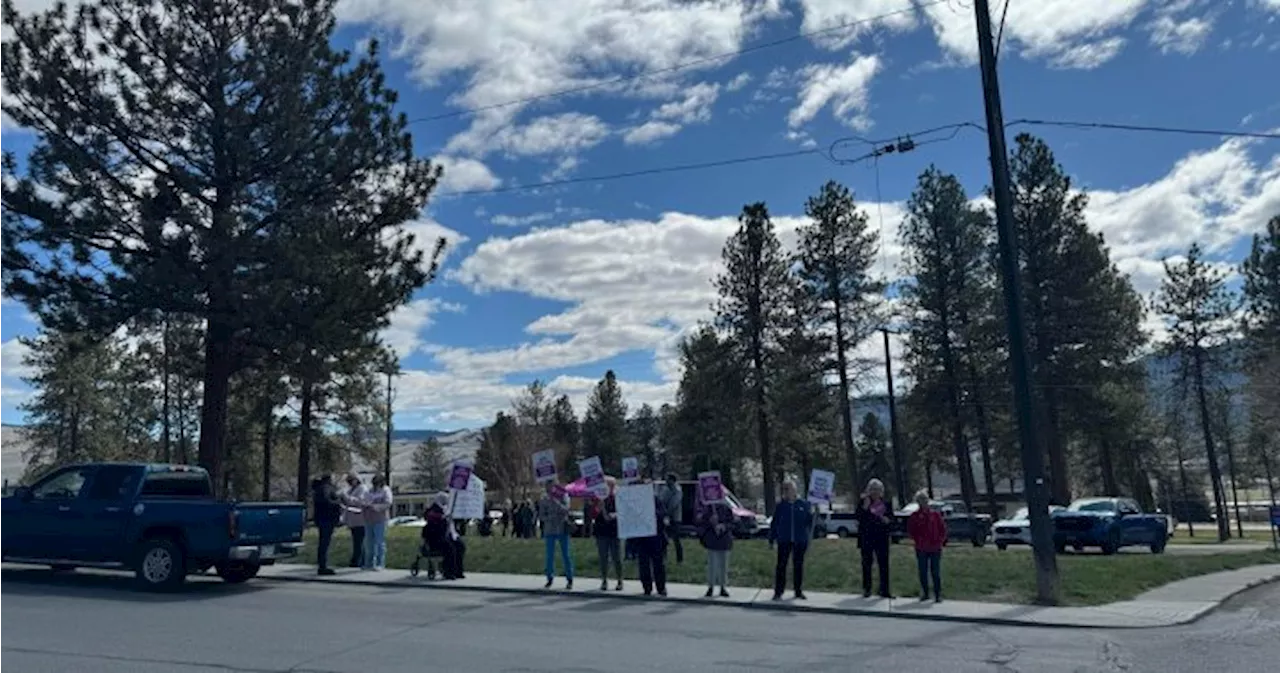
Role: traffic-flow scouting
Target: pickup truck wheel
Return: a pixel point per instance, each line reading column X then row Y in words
column 1158, row 547
column 1001, row 546
column 1112, row 544
column 237, row 573
column 979, row 542
column 161, row 565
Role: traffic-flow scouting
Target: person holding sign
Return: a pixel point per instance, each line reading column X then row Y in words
column 606, row 533
column 790, row 530
column 553, row 514
column 717, row 538
column 875, row 525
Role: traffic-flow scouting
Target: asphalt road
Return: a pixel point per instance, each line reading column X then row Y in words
column 98, row 624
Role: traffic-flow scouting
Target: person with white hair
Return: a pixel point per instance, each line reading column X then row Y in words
column 353, row 517
column 875, row 525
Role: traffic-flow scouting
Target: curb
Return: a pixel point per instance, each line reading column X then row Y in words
column 756, row 604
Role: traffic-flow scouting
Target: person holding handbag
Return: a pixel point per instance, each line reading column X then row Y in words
column 717, row 538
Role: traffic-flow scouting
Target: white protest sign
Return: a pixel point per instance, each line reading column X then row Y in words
column 630, row 469
column 637, row 516
column 593, row 475
column 822, row 486
column 544, row 466
column 469, row 503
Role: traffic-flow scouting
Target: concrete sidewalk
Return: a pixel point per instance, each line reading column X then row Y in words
column 1181, row 602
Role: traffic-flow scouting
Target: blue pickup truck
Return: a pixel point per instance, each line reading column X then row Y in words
column 1109, row 524
column 160, row 521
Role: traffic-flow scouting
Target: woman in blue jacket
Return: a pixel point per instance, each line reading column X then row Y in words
column 791, row 529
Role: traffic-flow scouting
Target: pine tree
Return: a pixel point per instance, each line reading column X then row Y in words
column 565, row 430
column 604, row 428
column 644, row 437
column 874, row 442
column 247, row 167
column 1082, row 315
column 752, row 302
column 1261, row 271
column 91, row 402
column 836, row 253
column 946, row 241
column 1198, row 309
column 705, row 429
column 430, row 466
column 807, row 412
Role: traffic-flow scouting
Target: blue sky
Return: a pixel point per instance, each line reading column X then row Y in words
column 564, row 282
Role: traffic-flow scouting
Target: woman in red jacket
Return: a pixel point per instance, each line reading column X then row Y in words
column 929, row 531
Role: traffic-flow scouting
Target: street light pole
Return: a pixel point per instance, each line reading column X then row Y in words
column 1002, row 192
column 899, row 476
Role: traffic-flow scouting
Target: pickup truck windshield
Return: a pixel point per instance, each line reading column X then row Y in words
column 1093, row 506
column 176, row 485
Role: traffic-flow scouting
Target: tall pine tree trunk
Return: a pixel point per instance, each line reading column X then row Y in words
column 1106, row 465
column 268, row 431
column 1182, row 479
column 217, row 387
column 984, row 442
column 304, row 439
column 1231, row 471
column 1211, row 452
column 1059, row 473
column 166, row 411
column 846, row 405
column 964, row 466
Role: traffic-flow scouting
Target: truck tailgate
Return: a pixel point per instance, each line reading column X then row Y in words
column 259, row 523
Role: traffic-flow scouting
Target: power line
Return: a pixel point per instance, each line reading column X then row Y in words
column 681, row 66
column 900, row 144
column 633, row 174
column 1261, row 135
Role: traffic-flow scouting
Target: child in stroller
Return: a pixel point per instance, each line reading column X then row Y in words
column 439, row 541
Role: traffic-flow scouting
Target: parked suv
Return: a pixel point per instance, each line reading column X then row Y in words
column 842, row 524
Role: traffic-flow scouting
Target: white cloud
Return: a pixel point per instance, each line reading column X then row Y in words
column 404, row 333
column 13, row 355
column 737, row 83
column 565, row 133
column 650, row 132
column 1181, row 36
column 669, row 118
column 464, row 174
column 1067, row 33
column 827, row 15
column 843, row 87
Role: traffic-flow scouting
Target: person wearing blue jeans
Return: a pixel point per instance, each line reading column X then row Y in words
column 377, row 510
column 553, row 514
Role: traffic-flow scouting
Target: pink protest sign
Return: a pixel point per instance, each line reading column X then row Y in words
column 710, row 488
column 558, row 492
column 630, row 469
column 460, row 476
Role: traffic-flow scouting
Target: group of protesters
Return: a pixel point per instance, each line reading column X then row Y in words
column 365, row 512
column 792, row 529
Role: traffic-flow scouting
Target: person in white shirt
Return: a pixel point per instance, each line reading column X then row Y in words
column 353, row 517
column 376, row 511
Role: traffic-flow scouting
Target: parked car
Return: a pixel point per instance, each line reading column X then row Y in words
column 962, row 525
column 842, row 524
column 1016, row 529
column 1109, row 524
column 160, row 521
column 408, row 522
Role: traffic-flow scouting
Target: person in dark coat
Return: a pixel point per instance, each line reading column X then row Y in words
column 791, row 529
column 717, row 537
column 875, row 525
column 652, row 553
column 606, row 533
column 439, row 538
column 326, row 506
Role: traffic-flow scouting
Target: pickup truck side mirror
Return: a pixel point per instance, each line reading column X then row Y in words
column 23, row 493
